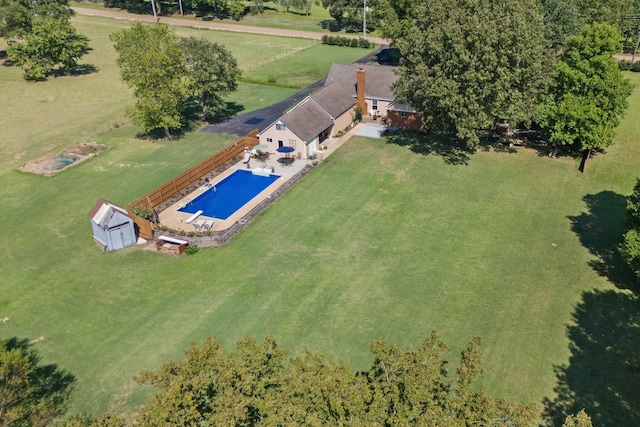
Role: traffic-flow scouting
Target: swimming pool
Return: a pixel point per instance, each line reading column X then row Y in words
column 227, row 196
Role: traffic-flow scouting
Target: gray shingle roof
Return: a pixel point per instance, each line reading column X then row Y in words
column 334, row 98
column 378, row 79
column 307, row 120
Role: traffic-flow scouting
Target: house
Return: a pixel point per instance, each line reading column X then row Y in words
column 372, row 86
column 403, row 116
column 319, row 116
column 326, row 112
column 112, row 226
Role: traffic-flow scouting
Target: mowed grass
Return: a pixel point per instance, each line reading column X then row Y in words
column 273, row 16
column 306, row 67
column 377, row 242
column 42, row 118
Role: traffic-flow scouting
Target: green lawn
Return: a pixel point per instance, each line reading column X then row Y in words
column 272, row 17
column 69, row 110
column 377, row 242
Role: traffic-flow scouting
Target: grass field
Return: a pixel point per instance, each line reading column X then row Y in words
column 272, row 17
column 377, row 242
column 73, row 109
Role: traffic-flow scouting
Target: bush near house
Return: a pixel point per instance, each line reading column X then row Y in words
column 346, row 41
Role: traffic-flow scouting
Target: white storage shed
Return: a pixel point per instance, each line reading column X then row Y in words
column 113, row 228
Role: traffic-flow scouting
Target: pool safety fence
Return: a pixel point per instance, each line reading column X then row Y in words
column 152, row 199
column 218, row 238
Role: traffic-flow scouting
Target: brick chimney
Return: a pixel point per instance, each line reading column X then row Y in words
column 360, row 91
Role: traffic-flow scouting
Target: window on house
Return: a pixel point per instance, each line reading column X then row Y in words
column 403, row 115
column 374, row 105
column 269, row 140
column 280, row 143
column 280, row 126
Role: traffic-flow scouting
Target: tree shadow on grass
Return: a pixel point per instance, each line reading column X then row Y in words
column 49, row 387
column 601, row 230
column 603, row 372
column 229, row 110
column 78, row 70
column 431, row 144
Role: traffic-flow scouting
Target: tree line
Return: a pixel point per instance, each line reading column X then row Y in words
column 263, row 384
column 469, row 64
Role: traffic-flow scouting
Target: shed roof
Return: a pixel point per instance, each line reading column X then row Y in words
column 401, row 106
column 103, row 211
column 378, row 79
column 307, row 120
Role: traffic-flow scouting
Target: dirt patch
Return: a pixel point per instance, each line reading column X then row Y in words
column 69, row 157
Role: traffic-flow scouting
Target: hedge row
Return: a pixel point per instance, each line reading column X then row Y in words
column 628, row 66
column 346, row 41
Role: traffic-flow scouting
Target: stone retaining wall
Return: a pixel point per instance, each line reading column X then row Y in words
column 218, row 238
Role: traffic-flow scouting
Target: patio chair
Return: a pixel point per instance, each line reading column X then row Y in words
column 197, row 225
column 207, row 225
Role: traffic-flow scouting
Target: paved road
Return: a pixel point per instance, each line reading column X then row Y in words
column 213, row 25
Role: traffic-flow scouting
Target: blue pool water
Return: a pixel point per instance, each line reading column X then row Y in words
column 227, row 196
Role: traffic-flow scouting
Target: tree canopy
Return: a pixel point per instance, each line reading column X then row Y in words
column 562, row 19
column 589, row 93
column 169, row 75
column 262, row 384
column 40, row 36
column 212, row 71
column 630, row 247
column 467, row 63
column 31, row 394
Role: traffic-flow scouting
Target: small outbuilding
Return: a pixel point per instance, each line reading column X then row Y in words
column 113, row 228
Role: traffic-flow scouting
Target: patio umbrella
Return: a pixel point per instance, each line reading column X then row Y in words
column 285, row 150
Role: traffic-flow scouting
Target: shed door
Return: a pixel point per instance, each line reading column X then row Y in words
column 121, row 236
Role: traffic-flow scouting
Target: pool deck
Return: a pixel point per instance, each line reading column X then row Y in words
column 176, row 220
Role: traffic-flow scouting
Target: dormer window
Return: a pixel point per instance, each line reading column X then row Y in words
column 281, row 126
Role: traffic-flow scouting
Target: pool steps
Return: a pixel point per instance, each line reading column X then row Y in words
column 261, row 171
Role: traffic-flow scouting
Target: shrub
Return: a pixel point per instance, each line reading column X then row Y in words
column 142, row 212
column 355, row 43
column 191, row 250
column 624, row 65
column 636, row 67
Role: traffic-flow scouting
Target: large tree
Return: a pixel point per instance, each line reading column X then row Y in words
column 40, row 36
column 607, row 11
column 152, row 63
column 348, row 13
column 467, row 63
column 169, row 75
column 561, row 19
column 31, row 394
column 212, row 71
column 52, row 43
column 630, row 247
column 589, row 93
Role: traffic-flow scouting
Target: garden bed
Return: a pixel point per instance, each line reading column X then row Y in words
column 69, row 157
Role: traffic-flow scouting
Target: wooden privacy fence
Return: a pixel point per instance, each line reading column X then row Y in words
column 152, row 199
